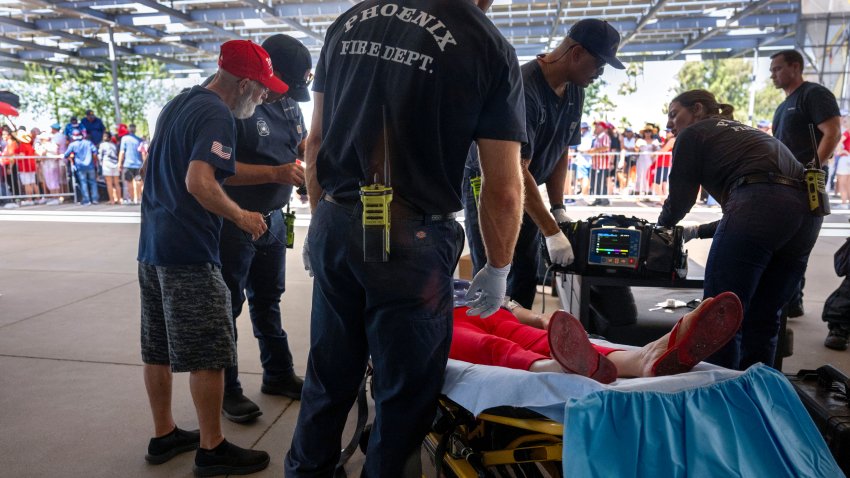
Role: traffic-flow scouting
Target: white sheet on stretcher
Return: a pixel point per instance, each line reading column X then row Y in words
column 711, row 422
column 479, row 387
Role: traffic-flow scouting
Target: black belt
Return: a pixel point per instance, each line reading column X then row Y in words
column 768, row 178
column 398, row 212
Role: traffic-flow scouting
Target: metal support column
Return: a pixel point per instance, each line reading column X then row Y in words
column 114, row 64
column 751, row 110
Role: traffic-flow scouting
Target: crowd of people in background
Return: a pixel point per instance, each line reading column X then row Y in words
column 49, row 167
column 636, row 162
column 609, row 161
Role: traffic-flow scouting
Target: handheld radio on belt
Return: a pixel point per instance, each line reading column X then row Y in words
column 289, row 220
column 815, row 179
column 376, row 199
column 475, row 182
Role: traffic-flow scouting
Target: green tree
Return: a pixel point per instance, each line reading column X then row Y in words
column 730, row 81
column 628, row 87
column 767, row 99
column 596, row 103
column 60, row 93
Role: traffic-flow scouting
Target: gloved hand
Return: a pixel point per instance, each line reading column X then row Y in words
column 305, row 257
column 690, row 232
column 560, row 250
column 560, row 216
column 487, row 290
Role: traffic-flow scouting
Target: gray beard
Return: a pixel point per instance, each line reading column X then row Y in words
column 246, row 106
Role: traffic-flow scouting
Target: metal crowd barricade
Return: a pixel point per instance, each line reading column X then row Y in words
column 28, row 180
column 625, row 175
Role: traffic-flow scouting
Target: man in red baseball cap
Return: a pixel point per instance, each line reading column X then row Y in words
column 183, row 204
column 246, row 59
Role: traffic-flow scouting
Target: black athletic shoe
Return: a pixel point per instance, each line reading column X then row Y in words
column 290, row 387
column 167, row 447
column 794, row 310
column 837, row 338
column 238, row 408
column 229, row 459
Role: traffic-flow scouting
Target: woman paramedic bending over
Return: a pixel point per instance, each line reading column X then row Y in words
column 762, row 242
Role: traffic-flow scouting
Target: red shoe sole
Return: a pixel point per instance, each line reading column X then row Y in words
column 715, row 325
column 570, row 347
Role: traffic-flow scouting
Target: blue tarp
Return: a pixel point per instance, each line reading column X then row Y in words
column 753, row 425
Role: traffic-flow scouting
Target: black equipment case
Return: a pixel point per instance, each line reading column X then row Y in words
column 641, row 249
column 824, row 394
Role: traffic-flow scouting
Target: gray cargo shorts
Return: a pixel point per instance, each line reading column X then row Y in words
column 186, row 317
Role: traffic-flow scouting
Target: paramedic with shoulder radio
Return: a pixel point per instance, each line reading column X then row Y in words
column 553, row 86
column 760, row 247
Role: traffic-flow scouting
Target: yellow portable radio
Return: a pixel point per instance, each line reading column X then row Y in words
column 376, row 199
column 815, row 179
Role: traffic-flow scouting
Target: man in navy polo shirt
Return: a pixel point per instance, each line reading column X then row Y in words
column 186, row 318
column 401, row 92
column 268, row 145
column 554, row 86
column 805, row 103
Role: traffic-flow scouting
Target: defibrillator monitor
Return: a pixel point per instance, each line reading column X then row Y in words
column 614, row 247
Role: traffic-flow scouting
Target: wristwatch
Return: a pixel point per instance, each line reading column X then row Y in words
column 557, row 206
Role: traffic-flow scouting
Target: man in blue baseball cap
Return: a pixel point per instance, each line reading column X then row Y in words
column 554, row 86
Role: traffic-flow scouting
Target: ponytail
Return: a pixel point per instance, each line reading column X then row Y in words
column 726, row 111
column 709, row 103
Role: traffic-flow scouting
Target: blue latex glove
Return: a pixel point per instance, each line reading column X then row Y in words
column 560, row 250
column 560, row 216
column 487, row 290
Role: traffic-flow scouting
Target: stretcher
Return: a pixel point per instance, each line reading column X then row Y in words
column 494, row 421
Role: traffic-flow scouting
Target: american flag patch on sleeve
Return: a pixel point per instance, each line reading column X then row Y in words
column 220, row 150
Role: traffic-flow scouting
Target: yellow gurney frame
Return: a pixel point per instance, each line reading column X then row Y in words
column 455, row 444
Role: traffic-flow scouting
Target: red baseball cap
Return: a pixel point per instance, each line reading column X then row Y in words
column 246, row 59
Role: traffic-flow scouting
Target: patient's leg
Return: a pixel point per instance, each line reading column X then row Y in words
column 473, row 341
column 695, row 336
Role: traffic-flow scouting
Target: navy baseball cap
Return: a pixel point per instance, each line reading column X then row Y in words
column 599, row 38
column 292, row 59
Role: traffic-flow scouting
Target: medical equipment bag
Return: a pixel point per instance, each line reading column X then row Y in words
column 617, row 245
column 824, row 394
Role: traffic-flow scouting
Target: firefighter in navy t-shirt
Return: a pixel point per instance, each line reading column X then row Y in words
column 805, row 103
column 401, row 92
column 554, row 86
column 267, row 145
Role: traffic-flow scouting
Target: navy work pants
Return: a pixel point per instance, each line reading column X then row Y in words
column 258, row 268
column 522, row 280
column 759, row 252
column 399, row 313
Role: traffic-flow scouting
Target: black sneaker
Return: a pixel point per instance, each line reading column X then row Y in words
column 794, row 310
column 290, row 387
column 229, row 459
column 238, row 408
column 837, row 338
column 167, row 447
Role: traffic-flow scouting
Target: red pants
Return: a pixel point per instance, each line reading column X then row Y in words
column 500, row 340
